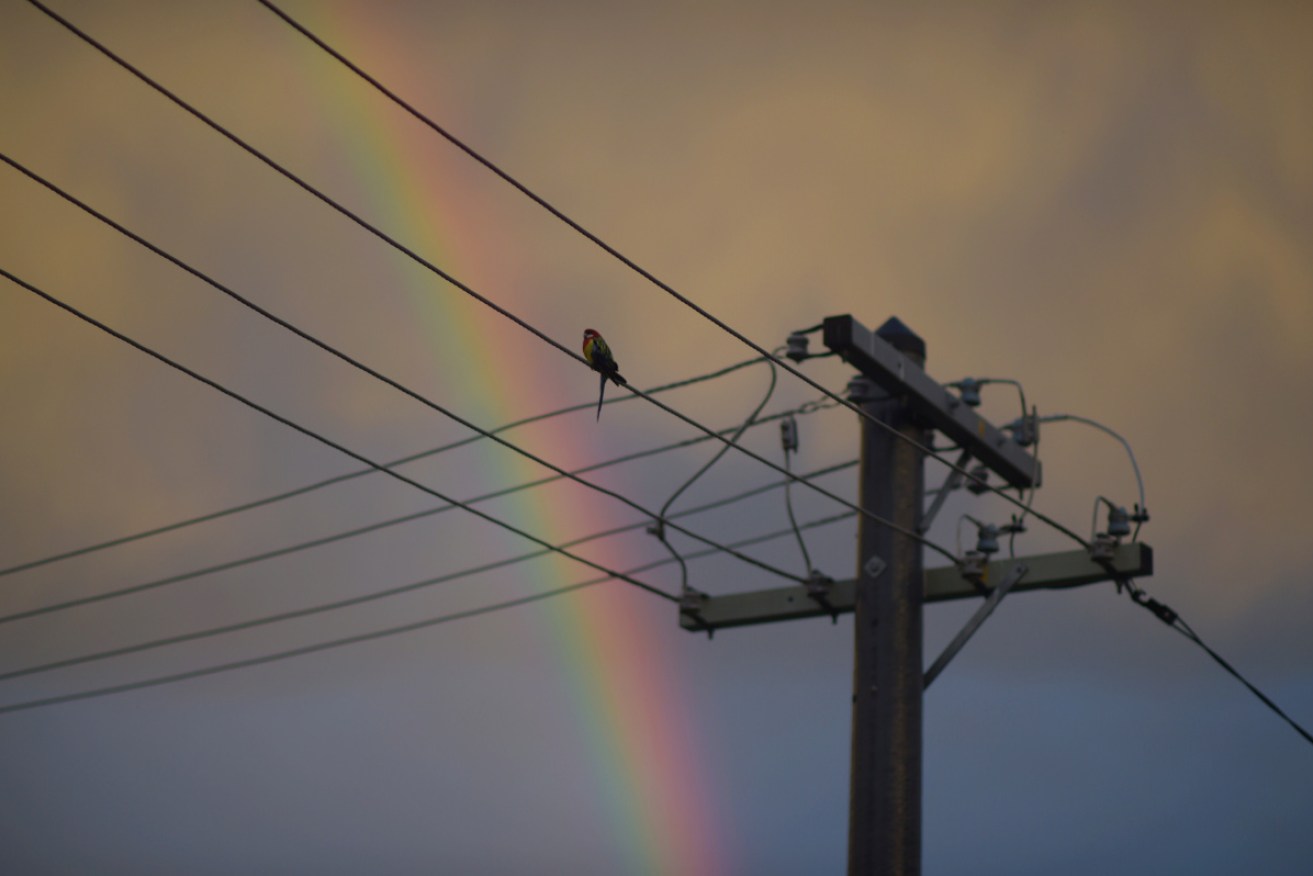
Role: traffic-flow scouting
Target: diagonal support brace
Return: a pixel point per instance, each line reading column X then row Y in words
column 951, row 483
column 1015, row 574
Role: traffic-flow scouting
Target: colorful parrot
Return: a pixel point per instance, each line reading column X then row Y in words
column 598, row 356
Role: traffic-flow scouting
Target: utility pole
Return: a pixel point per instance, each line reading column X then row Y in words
column 891, row 585
column 884, row 801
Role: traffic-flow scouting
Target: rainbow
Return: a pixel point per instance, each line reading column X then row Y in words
column 648, row 769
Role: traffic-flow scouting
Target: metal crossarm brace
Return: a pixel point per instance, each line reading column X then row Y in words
column 1047, row 572
column 969, row 628
column 951, row 483
column 877, row 360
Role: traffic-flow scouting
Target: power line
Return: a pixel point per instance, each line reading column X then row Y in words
column 435, row 269
column 632, row 265
column 659, row 530
column 1174, row 620
column 751, row 421
column 357, row 531
column 352, row 601
column 790, row 436
column 1143, row 510
column 366, row 369
column 324, row 440
column 337, row 479
column 384, row 633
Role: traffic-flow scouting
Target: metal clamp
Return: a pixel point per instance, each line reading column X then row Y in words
column 818, row 588
column 1102, row 548
column 690, row 605
column 974, row 566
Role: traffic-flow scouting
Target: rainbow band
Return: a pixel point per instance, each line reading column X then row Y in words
column 651, row 791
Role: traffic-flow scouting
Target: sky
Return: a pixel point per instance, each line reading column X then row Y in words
column 1110, row 203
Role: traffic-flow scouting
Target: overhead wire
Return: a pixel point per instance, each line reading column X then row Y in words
column 367, row 369
column 659, row 527
column 1142, row 509
column 310, row 433
column 738, row 433
column 1173, row 620
column 376, row 634
column 638, row 269
column 349, row 602
column 793, row 520
column 789, row 441
column 985, row 381
column 361, row 472
column 1026, row 507
column 322, row 541
column 440, row 272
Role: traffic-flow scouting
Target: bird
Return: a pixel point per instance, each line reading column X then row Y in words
column 598, row 356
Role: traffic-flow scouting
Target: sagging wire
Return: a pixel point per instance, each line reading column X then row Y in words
column 328, row 442
column 438, row 271
column 361, row 472
column 358, row 638
column 690, row 599
column 789, row 440
column 969, row 390
column 321, row 541
column 1025, row 431
column 465, row 288
column 1141, row 513
column 797, row 348
column 1169, row 616
column 375, row 373
column 817, row 583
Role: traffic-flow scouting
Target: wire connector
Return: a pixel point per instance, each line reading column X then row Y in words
column 818, row 588
column 690, row 605
column 1102, row 548
column 974, row 566
column 1160, row 611
column 789, row 434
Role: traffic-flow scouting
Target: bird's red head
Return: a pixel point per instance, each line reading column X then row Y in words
column 591, row 333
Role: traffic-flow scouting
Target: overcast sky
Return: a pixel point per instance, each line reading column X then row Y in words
column 1112, row 203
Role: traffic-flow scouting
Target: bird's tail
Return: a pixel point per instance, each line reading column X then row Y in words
column 601, row 394
column 618, row 378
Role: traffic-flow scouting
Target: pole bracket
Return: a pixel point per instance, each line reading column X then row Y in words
column 690, row 606
column 818, row 589
column 874, row 566
column 1015, row 574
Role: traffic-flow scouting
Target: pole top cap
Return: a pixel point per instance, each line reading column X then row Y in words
column 903, row 339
